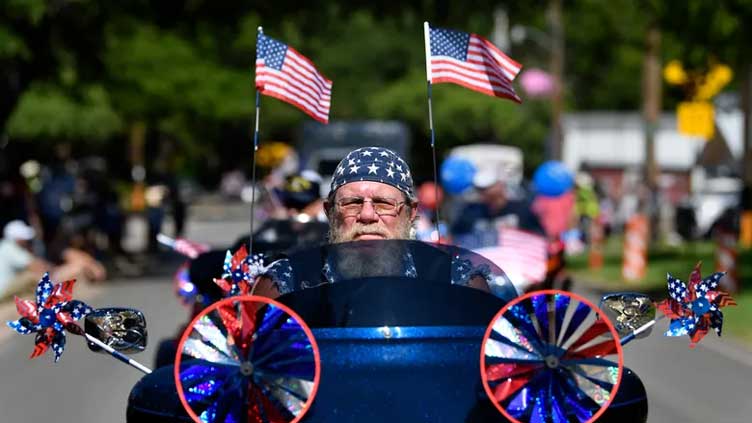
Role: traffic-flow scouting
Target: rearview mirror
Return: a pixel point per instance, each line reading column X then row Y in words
column 628, row 311
column 123, row 329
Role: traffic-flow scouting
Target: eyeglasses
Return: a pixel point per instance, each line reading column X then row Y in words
column 352, row 206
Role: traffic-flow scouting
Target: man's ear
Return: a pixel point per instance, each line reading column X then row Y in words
column 327, row 204
column 413, row 211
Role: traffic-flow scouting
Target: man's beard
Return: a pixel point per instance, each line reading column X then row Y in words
column 403, row 231
column 368, row 259
column 371, row 258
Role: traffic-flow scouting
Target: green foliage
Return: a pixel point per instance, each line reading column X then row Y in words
column 84, row 69
column 31, row 11
column 46, row 112
column 12, row 45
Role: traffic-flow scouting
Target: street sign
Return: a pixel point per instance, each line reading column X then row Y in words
column 696, row 118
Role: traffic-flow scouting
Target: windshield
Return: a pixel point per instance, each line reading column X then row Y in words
column 393, row 282
column 397, row 258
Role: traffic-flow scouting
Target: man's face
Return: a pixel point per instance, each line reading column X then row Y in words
column 367, row 224
column 494, row 196
column 25, row 244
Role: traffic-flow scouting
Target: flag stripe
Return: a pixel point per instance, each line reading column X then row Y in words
column 486, row 88
column 288, row 80
column 478, row 52
column 487, row 91
column 473, row 66
column 519, row 253
column 274, row 91
column 500, row 57
column 301, row 96
column 302, row 62
column 282, row 94
column 284, row 78
column 451, row 66
column 295, row 78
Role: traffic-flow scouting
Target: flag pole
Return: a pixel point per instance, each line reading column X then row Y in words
column 427, row 39
column 255, row 148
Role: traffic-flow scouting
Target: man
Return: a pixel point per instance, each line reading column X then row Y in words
column 477, row 224
column 372, row 197
column 19, row 268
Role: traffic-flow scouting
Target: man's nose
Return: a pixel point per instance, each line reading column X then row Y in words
column 367, row 213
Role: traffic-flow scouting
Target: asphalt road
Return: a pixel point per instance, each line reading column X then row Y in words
column 712, row 383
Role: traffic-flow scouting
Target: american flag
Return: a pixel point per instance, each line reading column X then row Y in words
column 473, row 62
column 284, row 73
column 186, row 247
column 519, row 254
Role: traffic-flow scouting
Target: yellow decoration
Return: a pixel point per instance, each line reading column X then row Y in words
column 696, row 118
column 745, row 237
column 718, row 77
column 271, row 154
column 674, row 73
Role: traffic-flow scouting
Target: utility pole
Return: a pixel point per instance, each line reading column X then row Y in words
column 651, row 111
column 746, row 195
column 557, row 73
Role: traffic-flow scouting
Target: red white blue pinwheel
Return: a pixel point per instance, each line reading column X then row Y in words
column 53, row 313
column 240, row 271
column 694, row 310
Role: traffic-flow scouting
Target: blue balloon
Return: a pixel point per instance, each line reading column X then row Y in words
column 553, row 179
column 457, row 175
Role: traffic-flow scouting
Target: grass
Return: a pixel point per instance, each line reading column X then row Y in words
column 679, row 261
column 662, row 259
column 736, row 319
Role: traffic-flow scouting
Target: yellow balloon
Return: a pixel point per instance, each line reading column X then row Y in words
column 674, row 73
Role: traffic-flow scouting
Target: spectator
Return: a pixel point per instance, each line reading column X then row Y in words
column 477, row 223
column 19, row 268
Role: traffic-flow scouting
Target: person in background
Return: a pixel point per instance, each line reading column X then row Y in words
column 477, row 223
column 20, row 269
column 301, row 196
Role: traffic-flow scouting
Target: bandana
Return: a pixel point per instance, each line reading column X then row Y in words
column 375, row 164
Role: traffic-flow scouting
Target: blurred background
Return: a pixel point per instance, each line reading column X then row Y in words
column 121, row 120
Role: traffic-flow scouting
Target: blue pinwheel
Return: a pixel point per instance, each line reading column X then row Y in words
column 695, row 310
column 54, row 312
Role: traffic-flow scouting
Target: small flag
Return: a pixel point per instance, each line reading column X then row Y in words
column 190, row 249
column 519, row 253
column 471, row 61
column 284, row 73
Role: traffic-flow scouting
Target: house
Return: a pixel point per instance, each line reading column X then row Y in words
column 611, row 147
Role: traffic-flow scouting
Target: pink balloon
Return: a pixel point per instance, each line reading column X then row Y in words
column 537, row 83
column 554, row 213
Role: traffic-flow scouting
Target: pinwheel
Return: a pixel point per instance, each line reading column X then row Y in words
column 549, row 356
column 694, row 310
column 54, row 312
column 240, row 271
column 247, row 359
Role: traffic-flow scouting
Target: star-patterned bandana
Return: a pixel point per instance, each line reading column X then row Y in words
column 375, row 164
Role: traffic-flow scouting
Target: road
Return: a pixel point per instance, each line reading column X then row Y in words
column 710, row 383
